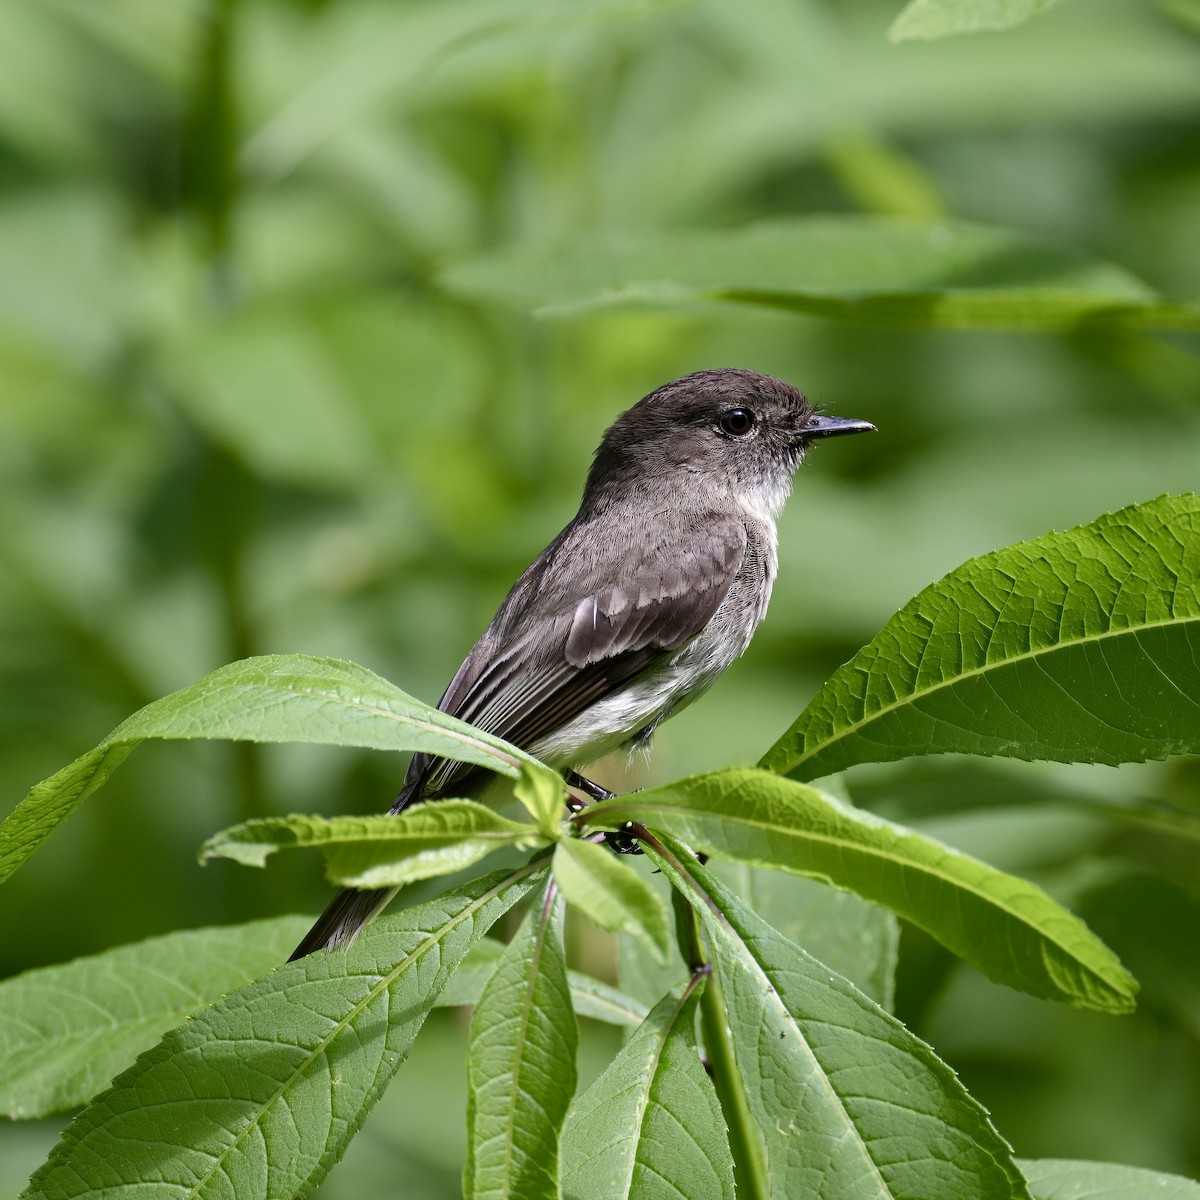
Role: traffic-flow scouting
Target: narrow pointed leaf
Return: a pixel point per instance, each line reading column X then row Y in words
column 847, row 1102
column 1082, row 646
column 1065, row 1179
column 66, row 1030
column 888, row 270
column 276, row 698
column 540, row 790
column 594, row 880
column 521, row 1065
column 381, row 851
column 650, row 1126
column 259, row 1095
column 1007, row 927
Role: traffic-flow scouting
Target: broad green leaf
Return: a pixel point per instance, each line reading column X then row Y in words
column 1066, row 1179
column 942, row 18
column 540, row 790
column 66, row 1030
column 846, row 1101
column 521, row 1065
column 276, row 698
column 859, row 940
column 650, row 1126
column 1082, row 646
column 380, row 851
column 594, row 880
column 589, row 997
column 259, row 1095
column 887, row 270
column 1009, row 928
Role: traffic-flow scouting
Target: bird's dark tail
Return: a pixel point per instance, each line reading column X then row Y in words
column 341, row 922
column 351, row 909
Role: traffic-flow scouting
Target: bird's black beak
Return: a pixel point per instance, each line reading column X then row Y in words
column 826, row 427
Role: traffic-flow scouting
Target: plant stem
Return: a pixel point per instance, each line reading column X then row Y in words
column 749, row 1169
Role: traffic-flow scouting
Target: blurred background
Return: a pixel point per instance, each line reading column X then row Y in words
column 244, row 409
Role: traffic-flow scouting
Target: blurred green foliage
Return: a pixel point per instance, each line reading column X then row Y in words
column 242, row 411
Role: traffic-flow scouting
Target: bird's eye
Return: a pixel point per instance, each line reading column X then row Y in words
column 737, row 421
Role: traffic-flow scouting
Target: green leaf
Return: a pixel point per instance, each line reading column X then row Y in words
column 846, row 1101
column 66, row 1030
column 1008, row 928
column 276, row 698
column 859, row 940
column 380, row 851
column 596, row 882
column 1064, row 1179
column 942, row 18
column 1081, row 646
column 521, row 1065
column 650, row 1126
column 589, row 997
column 887, row 270
column 259, row 1095
column 540, row 790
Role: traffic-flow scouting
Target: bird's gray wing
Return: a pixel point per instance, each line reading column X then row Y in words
column 525, row 679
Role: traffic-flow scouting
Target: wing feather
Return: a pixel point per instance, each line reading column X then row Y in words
column 594, row 637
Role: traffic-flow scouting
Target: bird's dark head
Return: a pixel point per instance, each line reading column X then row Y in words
column 726, row 432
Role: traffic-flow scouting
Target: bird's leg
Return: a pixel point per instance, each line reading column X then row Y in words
column 620, row 842
column 589, row 787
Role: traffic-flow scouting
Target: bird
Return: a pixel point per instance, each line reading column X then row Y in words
column 646, row 596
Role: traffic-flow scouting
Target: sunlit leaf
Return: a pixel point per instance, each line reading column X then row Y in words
column 380, row 851
column 595, row 881
column 66, row 1030
column 1064, row 1179
column 260, row 1094
column 521, row 1065
column 846, row 1101
column 1081, row 646
column 650, row 1126
column 1009, row 928
column 541, row 792
column 941, row 18
column 276, row 698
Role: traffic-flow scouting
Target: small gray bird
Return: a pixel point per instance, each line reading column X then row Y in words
column 652, row 590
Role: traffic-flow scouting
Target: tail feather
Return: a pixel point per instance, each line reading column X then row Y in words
column 350, row 909
column 341, row 922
